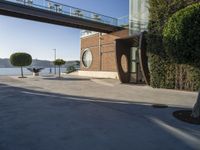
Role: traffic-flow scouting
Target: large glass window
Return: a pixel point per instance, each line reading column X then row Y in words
column 87, row 58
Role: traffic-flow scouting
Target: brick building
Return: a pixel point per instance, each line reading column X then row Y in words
column 120, row 54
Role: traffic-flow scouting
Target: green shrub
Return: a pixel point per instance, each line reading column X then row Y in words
column 181, row 36
column 164, row 71
column 20, row 60
column 157, row 79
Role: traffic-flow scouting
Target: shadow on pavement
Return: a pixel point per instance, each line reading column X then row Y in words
column 47, row 121
column 66, row 79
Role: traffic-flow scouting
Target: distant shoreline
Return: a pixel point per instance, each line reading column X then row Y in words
column 17, row 71
column 5, row 63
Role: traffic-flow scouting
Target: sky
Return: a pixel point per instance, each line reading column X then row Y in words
column 39, row 39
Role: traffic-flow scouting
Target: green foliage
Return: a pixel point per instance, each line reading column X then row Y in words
column 194, row 78
column 181, row 36
column 20, row 59
column 165, row 73
column 71, row 69
column 157, row 73
column 59, row 62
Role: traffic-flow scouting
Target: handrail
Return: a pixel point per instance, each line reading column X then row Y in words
column 81, row 9
column 67, row 10
column 64, row 9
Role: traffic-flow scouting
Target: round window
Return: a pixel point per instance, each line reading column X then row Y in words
column 87, row 58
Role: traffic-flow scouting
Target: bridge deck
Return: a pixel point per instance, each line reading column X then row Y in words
column 55, row 13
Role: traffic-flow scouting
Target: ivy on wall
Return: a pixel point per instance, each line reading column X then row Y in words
column 165, row 72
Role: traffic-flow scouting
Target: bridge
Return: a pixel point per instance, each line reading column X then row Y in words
column 56, row 13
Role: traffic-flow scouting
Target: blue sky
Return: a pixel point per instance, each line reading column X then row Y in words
column 39, row 39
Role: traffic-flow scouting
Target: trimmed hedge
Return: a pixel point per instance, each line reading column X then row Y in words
column 20, row 59
column 181, row 36
column 164, row 72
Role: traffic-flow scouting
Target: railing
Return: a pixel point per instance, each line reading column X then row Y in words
column 67, row 10
column 133, row 25
column 123, row 21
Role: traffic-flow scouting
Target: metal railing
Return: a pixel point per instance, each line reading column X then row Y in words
column 123, row 21
column 67, row 10
column 133, row 25
column 137, row 24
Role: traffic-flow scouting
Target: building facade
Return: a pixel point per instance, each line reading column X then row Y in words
column 121, row 54
column 98, row 52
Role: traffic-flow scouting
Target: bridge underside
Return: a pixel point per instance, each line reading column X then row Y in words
column 37, row 14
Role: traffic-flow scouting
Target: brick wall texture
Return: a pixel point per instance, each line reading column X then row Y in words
column 103, row 49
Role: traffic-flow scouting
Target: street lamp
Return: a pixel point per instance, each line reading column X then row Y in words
column 54, row 59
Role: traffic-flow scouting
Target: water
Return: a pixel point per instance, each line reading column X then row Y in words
column 17, row 71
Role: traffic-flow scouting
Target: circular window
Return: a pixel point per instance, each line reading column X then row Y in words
column 87, row 58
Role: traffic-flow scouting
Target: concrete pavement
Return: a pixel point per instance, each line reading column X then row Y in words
column 77, row 114
column 107, row 89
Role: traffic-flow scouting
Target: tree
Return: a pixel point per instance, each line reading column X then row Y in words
column 181, row 36
column 21, row 60
column 59, row 63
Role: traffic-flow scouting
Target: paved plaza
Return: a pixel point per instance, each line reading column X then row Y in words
column 80, row 113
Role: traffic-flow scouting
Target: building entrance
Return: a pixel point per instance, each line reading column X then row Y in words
column 134, row 49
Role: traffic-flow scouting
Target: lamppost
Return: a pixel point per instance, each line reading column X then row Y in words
column 54, row 59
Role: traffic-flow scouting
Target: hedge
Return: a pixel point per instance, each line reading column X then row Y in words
column 164, row 71
column 181, row 36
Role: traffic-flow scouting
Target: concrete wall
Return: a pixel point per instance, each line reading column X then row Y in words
column 99, row 74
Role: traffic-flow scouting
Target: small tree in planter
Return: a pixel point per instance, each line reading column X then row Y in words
column 21, row 60
column 59, row 63
column 181, row 40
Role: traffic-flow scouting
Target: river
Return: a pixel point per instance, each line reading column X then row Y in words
column 17, row 71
